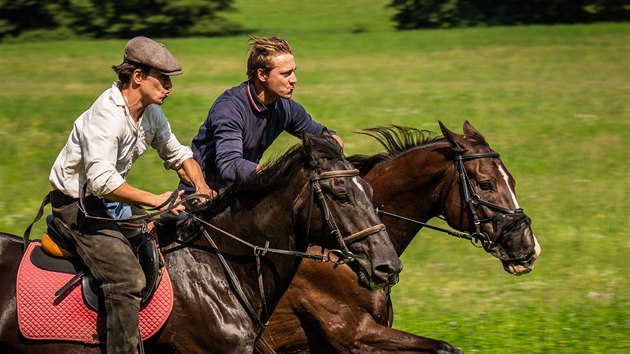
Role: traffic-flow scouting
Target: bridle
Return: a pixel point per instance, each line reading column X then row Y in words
column 345, row 255
column 336, row 256
column 472, row 200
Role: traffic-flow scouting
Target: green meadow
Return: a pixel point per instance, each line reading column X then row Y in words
column 553, row 100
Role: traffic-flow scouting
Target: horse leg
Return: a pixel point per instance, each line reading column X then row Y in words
column 285, row 334
column 349, row 333
column 372, row 337
column 347, row 318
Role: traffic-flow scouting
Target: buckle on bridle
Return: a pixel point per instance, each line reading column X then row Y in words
column 340, row 257
column 480, row 240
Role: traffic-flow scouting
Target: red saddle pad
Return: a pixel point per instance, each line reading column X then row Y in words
column 44, row 316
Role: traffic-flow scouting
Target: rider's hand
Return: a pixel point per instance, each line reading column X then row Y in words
column 176, row 209
column 205, row 190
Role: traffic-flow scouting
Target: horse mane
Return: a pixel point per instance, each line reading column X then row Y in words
column 396, row 140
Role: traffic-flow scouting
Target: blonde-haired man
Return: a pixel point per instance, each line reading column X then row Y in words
column 246, row 119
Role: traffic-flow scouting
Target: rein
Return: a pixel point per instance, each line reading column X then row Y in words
column 335, row 256
column 170, row 201
column 258, row 252
column 465, row 236
column 477, row 238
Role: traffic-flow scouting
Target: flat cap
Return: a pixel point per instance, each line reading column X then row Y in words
column 146, row 51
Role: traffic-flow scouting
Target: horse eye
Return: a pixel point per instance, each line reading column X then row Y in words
column 486, row 185
column 342, row 199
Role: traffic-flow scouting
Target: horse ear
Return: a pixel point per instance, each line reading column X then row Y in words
column 473, row 134
column 307, row 147
column 307, row 143
column 455, row 139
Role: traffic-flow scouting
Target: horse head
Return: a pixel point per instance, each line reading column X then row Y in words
column 480, row 198
column 347, row 222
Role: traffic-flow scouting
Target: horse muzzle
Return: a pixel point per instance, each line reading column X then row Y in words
column 514, row 243
column 382, row 274
column 519, row 266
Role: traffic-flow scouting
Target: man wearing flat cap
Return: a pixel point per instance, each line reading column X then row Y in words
column 94, row 164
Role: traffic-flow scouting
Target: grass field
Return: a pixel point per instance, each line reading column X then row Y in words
column 553, row 100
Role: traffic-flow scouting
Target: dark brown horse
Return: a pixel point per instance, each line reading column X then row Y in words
column 208, row 315
column 420, row 177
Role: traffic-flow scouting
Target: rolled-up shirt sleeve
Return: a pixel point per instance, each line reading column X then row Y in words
column 171, row 151
column 174, row 153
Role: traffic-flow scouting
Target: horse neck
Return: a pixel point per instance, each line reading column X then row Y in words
column 268, row 219
column 410, row 185
column 281, row 225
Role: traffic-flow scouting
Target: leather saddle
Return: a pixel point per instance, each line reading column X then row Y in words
column 57, row 253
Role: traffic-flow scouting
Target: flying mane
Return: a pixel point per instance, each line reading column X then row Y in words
column 396, row 140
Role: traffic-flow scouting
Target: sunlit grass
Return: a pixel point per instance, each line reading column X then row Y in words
column 553, row 100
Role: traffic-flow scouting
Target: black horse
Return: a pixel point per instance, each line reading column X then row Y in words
column 277, row 206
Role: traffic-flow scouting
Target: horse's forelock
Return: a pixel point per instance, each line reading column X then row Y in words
column 325, row 152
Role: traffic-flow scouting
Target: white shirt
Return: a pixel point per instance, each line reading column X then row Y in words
column 105, row 141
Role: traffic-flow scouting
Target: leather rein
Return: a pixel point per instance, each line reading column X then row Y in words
column 477, row 238
column 336, row 256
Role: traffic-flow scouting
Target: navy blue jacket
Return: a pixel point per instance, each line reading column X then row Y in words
column 238, row 130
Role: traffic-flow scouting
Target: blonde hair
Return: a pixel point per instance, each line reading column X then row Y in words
column 262, row 51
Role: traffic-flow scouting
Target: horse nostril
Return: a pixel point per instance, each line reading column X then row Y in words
column 388, row 271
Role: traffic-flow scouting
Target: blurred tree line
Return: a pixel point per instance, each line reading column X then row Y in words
column 62, row 19
column 114, row 18
column 412, row 14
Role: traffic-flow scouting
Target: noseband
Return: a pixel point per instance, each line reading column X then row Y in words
column 473, row 199
column 344, row 255
column 478, row 238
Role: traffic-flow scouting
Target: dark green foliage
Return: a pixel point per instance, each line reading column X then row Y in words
column 23, row 15
column 461, row 13
column 117, row 18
